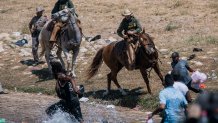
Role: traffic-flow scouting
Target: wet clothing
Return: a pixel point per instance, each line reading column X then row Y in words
column 181, row 68
column 61, row 5
column 65, row 91
column 130, row 24
column 175, row 104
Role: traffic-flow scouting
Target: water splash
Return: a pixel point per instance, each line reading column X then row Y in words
column 99, row 113
column 92, row 113
column 61, row 117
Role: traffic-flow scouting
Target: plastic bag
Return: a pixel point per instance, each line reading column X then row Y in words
column 198, row 77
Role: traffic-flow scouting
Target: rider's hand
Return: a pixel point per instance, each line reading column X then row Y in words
column 125, row 36
column 130, row 32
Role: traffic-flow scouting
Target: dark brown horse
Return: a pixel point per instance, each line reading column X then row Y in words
column 115, row 58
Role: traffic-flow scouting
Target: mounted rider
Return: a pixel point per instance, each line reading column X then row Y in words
column 129, row 26
column 60, row 5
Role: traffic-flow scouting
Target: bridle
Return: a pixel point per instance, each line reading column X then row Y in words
column 141, row 39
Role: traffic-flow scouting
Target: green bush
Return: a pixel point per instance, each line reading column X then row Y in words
column 202, row 40
column 35, row 89
column 171, row 26
column 149, row 102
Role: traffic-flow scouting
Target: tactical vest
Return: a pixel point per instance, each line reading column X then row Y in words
column 132, row 25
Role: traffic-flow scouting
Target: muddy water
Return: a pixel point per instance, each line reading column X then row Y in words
column 30, row 108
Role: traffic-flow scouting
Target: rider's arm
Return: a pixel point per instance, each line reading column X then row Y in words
column 120, row 29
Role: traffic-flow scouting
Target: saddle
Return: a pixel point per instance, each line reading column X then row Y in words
column 63, row 30
column 50, row 26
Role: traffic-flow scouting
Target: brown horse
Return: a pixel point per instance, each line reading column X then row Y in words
column 145, row 57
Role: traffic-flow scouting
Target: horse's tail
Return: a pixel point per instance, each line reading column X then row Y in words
column 96, row 63
column 42, row 43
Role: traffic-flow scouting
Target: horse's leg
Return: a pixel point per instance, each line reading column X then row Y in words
column 157, row 70
column 108, row 84
column 113, row 76
column 75, row 54
column 47, row 54
column 67, row 55
column 60, row 57
column 145, row 77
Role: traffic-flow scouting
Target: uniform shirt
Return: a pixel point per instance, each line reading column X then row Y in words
column 131, row 24
column 60, row 6
column 175, row 104
column 181, row 87
column 182, row 69
column 32, row 25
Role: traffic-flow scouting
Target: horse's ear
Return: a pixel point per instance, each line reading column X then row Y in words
column 143, row 30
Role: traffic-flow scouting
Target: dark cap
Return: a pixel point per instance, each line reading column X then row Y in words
column 174, row 55
column 168, row 80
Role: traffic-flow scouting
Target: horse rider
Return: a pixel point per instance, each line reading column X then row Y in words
column 129, row 25
column 35, row 26
column 59, row 5
column 67, row 90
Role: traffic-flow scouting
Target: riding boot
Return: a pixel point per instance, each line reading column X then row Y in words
column 56, row 28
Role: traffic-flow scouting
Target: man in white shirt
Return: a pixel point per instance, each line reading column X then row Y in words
column 181, row 87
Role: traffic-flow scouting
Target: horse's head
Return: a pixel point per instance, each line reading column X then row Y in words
column 63, row 15
column 73, row 34
column 147, row 42
column 130, row 54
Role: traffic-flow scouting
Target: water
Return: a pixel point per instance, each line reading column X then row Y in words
column 61, row 117
column 101, row 114
column 92, row 113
